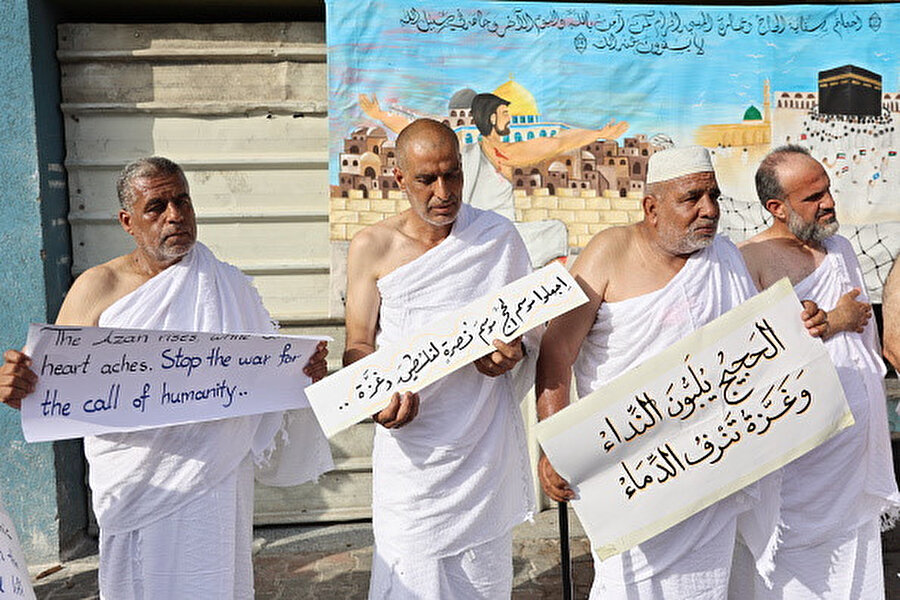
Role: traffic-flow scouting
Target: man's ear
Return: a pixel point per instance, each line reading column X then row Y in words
column 651, row 206
column 401, row 180
column 125, row 221
column 494, row 120
column 778, row 208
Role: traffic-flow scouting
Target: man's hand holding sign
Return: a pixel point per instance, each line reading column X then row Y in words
column 92, row 380
column 487, row 332
column 716, row 411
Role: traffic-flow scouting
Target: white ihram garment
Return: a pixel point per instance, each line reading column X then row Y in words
column 693, row 558
column 458, row 475
column 834, row 496
column 174, row 504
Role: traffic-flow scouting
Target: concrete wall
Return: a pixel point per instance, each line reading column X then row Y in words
column 27, row 479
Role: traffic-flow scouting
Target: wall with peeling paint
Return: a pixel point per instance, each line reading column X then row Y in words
column 27, row 480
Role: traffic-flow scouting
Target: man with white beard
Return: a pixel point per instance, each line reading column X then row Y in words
column 649, row 285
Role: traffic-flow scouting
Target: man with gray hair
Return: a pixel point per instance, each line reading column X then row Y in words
column 649, row 285
column 833, row 497
column 175, row 504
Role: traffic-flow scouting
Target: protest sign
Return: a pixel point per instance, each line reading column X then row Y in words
column 446, row 344
column 94, row 380
column 711, row 414
column 14, row 579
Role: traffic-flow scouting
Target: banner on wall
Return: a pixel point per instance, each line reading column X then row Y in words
column 559, row 107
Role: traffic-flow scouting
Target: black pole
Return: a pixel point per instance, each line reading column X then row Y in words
column 564, row 554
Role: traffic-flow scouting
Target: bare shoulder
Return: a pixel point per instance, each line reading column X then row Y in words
column 370, row 247
column 378, row 236
column 95, row 290
column 609, row 244
column 595, row 263
column 759, row 249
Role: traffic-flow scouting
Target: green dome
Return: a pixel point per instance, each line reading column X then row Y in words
column 752, row 114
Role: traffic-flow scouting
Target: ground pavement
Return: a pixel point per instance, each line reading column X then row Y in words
column 332, row 561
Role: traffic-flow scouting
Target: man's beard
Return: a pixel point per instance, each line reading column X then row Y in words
column 684, row 243
column 504, row 131
column 813, row 231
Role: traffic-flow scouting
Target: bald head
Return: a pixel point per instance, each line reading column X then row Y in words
column 424, row 134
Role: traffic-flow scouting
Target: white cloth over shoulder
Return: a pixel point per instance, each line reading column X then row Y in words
column 139, row 477
column 834, row 497
column 848, row 480
column 458, row 475
column 624, row 334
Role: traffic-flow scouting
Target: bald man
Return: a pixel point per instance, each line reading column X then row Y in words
column 450, row 465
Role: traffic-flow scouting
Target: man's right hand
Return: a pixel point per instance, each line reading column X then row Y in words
column 17, row 380
column 850, row 314
column 554, row 486
column 399, row 412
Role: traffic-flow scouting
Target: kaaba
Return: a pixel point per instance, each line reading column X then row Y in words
column 849, row 90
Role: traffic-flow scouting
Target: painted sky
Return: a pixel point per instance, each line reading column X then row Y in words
column 671, row 69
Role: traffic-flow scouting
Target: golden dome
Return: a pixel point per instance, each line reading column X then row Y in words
column 521, row 102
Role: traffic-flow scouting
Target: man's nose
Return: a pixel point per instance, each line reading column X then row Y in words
column 176, row 212
column 709, row 207
column 441, row 189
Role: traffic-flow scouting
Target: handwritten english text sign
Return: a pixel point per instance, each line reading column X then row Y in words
column 448, row 343
column 711, row 414
column 94, row 380
column 14, row 579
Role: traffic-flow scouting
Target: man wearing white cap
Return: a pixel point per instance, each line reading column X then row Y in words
column 833, row 498
column 650, row 284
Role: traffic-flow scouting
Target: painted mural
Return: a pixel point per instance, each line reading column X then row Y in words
column 558, row 108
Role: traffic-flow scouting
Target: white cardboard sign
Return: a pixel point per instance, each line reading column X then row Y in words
column 714, row 412
column 14, row 580
column 94, row 380
column 456, row 339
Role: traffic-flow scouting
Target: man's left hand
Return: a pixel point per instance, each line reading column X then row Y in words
column 814, row 319
column 317, row 368
column 502, row 359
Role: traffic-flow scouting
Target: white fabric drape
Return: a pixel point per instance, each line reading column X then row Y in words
column 834, row 494
column 458, row 475
column 141, row 477
column 694, row 555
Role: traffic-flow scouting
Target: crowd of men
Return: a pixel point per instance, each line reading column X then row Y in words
column 451, row 471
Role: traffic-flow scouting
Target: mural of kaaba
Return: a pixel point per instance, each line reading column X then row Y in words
column 849, row 90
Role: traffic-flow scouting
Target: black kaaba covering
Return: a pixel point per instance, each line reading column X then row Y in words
column 849, row 90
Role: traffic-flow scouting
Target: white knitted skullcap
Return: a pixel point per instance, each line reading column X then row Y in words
column 678, row 162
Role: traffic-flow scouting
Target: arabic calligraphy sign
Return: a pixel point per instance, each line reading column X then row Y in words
column 730, row 403
column 94, row 380
column 448, row 343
